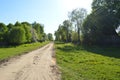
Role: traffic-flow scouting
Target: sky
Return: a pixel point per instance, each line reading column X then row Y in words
column 51, row 13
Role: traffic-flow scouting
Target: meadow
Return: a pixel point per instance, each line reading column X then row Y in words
column 12, row 51
column 88, row 62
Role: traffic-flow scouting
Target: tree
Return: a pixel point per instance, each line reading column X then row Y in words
column 64, row 32
column 74, row 37
column 57, row 36
column 39, row 29
column 68, row 29
column 28, row 33
column 61, row 33
column 77, row 16
column 45, row 37
column 9, row 26
column 34, row 35
column 23, row 32
column 110, row 6
column 100, row 26
column 17, row 35
column 26, row 23
column 3, row 30
column 50, row 37
column 17, row 24
column 89, row 30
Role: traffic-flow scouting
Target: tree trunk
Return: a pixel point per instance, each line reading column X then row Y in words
column 78, row 32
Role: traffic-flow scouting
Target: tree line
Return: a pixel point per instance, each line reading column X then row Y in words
column 24, row 32
column 99, row 27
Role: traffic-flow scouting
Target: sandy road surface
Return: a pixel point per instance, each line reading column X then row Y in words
column 36, row 65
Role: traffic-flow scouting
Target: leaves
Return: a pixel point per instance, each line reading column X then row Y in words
column 23, row 32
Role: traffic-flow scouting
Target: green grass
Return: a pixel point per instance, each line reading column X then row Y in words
column 88, row 63
column 6, row 53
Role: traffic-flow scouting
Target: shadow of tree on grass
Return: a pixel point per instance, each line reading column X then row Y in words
column 112, row 51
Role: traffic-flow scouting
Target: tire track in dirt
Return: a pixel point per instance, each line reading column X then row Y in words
column 36, row 65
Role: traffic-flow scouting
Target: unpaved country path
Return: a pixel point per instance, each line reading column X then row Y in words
column 36, row 65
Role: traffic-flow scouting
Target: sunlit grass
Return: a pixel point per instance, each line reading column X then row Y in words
column 9, row 52
column 88, row 63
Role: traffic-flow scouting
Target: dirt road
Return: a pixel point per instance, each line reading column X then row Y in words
column 36, row 65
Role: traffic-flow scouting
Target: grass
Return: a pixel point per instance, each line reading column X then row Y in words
column 6, row 53
column 88, row 63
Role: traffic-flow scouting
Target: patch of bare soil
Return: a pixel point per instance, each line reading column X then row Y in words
column 39, row 64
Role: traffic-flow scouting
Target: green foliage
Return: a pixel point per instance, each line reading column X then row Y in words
column 88, row 62
column 50, row 36
column 3, row 27
column 74, row 37
column 34, row 35
column 64, row 32
column 89, row 30
column 45, row 37
column 26, row 23
column 28, row 33
column 17, row 23
column 17, row 35
column 77, row 16
column 9, row 26
column 112, row 6
column 3, row 30
column 68, row 29
column 39, row 29
column 100, row 26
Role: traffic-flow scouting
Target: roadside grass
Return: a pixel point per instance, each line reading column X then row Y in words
column 88, row 63
column 8, row 52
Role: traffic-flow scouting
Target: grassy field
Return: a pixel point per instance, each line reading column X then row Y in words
column 6, row 53
column 88, row 63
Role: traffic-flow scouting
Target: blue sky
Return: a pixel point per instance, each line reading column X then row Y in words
column 51, row 13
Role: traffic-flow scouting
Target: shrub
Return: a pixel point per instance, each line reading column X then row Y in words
column 17, row 35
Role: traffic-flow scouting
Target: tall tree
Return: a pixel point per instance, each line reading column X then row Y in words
column 61, row 33
column 58, row 34
column 45, row 37
column 100, row 26
column 50, row 36
column 68, row 29
column 3, row 30
column 39, row 29
column 77, row 16
column 110, row 6
column 28, row 33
